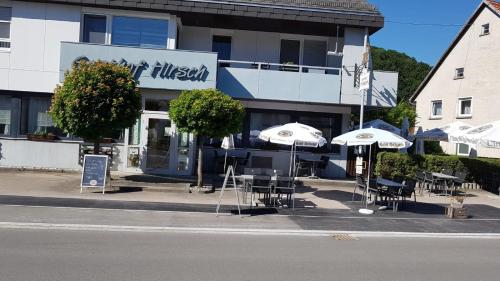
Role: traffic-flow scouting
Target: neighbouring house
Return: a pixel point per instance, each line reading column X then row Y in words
column 286, row 60
column 465, row 83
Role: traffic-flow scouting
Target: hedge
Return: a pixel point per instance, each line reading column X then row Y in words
column 483, row 171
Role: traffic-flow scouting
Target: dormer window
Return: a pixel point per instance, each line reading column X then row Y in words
column 485, row 29
column 459, row 73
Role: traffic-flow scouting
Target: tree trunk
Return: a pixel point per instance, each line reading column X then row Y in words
column 96, row 147
column 200, row 162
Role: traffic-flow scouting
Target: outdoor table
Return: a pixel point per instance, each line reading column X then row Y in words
column 314, row 161
column 245, row 179
column 390, row 185
column 448, row 179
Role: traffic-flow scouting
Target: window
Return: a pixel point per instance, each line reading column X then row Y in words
column 156, row 105
column 485, row 29
column 94, row 29
column 290, row 52
column 5, row 19
column 5, row 115
column 463, row 149
column 222, row 46
column 314, row 53
column 263, row 120
column 39, row 119
column 139, row 32
column 465, row 107
column 436, row 109
column 459, row 73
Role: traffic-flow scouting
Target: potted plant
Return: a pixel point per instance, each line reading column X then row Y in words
column 41, row 136
column 290, row 66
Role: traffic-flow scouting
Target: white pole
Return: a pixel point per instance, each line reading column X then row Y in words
column 291, row 162
column 368, row 177
column 225, row 157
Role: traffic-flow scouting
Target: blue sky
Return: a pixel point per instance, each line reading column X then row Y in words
column 424, row 42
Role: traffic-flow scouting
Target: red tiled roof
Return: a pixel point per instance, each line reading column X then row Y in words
column 494, row 4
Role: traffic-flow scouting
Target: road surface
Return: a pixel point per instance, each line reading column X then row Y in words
column 54, row 254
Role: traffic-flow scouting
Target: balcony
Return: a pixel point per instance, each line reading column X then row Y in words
column 285, row 82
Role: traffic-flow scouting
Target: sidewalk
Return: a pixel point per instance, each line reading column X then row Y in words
column 318, row 208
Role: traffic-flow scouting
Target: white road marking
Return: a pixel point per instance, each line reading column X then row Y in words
column 241, row 231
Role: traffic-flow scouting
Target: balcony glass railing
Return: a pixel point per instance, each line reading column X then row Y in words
column 272, row 81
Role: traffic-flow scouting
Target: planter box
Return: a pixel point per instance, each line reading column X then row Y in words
column 32, row 137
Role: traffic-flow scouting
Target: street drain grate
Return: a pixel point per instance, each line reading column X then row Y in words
column 344, row 237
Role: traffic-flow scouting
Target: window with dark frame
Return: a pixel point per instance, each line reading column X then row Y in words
column 465, row 107
column 290, row 52
column 459, row 73
column 222, row 46
column 5, row 20
column 94, row 29
column 485, row 29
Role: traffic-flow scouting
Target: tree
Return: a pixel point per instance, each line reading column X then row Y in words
column 206, row 113
column 411, row 72
column 95, row 99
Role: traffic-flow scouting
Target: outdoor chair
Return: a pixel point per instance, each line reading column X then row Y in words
column 461, row 175
column 360, row 184
column 285, row 186
column 324, row 163
column 261, row 184
column 430, row 182
column 447, row 171
column 243, row 162
column 408, row 190
column 420, row 178
column 390, row 195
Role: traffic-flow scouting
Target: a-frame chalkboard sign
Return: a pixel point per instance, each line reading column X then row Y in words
column 95, row 172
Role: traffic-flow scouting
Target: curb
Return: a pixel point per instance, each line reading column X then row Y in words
column 242, row 231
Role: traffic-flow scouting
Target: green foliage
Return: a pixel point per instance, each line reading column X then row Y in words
column 208, row 113
column 433, row 147
column 95, row 99
column 391, row 165
column 411, row 72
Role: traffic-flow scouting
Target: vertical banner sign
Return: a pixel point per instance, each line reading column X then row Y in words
column 364, row 80
column 94, row 171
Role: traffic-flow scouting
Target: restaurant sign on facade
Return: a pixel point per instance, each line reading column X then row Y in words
column 153, row 68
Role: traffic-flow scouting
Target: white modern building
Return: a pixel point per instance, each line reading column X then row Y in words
column 464, row 85
column 286, row 60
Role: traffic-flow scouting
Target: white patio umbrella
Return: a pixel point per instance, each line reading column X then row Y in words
column 369, row 136
column 382, row 125
column 227, row 144
column 488, row 135
column 293, row 134
column 443, row 133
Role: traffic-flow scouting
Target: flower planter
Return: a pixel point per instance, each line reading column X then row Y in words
column 48, row 137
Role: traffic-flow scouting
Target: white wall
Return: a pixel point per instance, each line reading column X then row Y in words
column 36, row 32
column 255, row 46
column 20, row 153
column 479, row 55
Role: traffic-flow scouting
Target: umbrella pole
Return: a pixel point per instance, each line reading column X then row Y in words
column 291, row 162
column 368, row 177
column 225, row 158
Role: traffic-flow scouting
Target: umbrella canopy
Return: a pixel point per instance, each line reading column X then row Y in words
column 370, row 136
column 444, row 133
column 382, row 125
column 228, row 142
column 487, row 135
column 293, row 134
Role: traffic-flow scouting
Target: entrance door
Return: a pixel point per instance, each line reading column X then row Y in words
column 164, row 150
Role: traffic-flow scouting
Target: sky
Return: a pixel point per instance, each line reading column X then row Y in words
column 422, row 29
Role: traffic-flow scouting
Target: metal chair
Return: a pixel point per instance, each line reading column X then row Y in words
column 360, row 184
column 261, row 184
column 420, row 178
column 324, row 163
column 285, row 186
column 457, row 183
column 408, row 190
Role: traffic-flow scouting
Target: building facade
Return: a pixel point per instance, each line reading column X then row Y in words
column 464, row 84
column 286, row 60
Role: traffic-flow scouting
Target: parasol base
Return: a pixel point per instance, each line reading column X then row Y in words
column 366, row 211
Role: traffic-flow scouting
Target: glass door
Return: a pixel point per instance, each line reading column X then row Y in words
column 164, row 150
column 157, row 146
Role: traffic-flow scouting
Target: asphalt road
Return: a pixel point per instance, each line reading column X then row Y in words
column 110, row 255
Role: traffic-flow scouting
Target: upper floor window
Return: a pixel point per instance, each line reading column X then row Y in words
column 290, row 52
column 5, row 19
column 127, row 31
column 139, row 32
column 222, row 46
column 485, row 29
column 465, row 107
column 94, row 29
column 436, row 109
column 459, row 73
